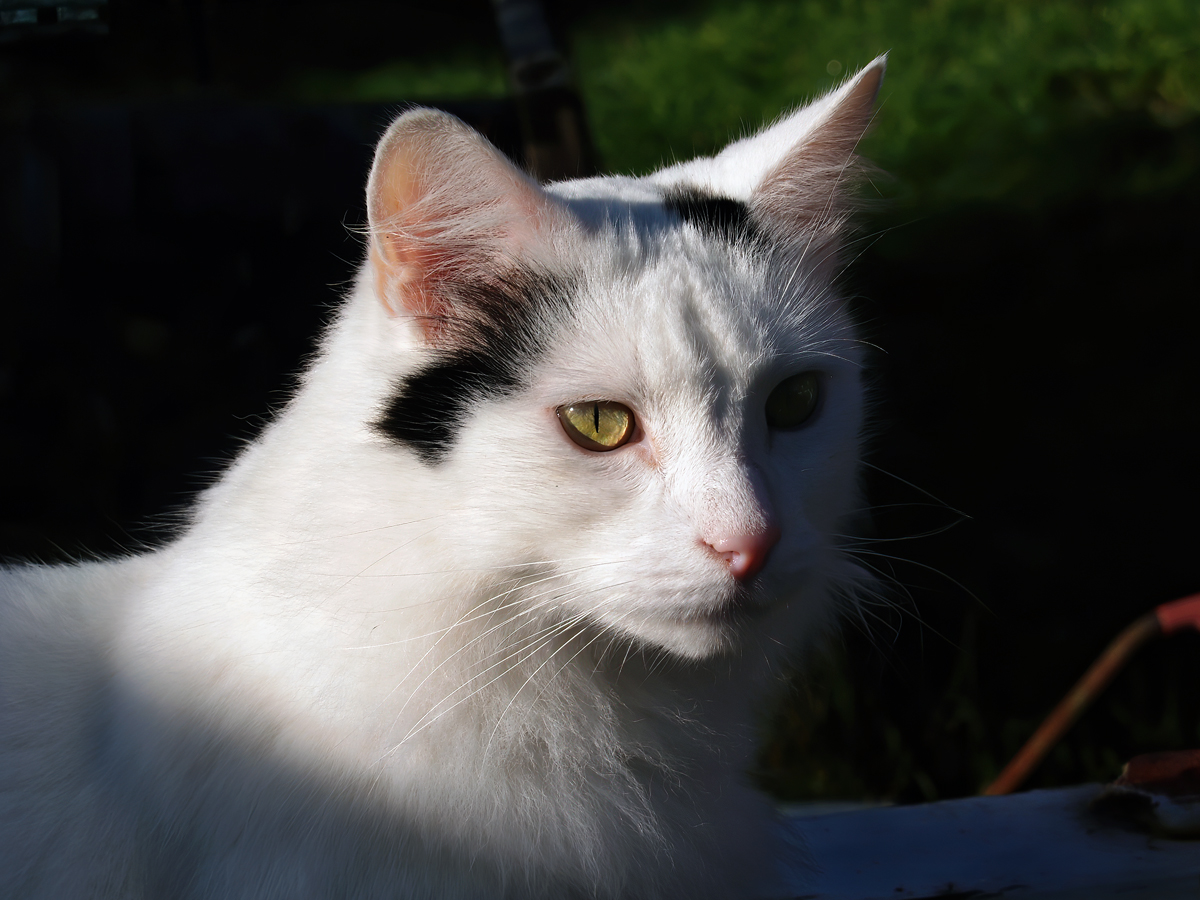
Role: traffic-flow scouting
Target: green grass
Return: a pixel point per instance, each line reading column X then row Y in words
column 974, row 94
column 977, row 101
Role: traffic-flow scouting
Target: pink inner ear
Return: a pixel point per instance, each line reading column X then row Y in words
column 400, row 283
column 407, row 253
column 447, row 209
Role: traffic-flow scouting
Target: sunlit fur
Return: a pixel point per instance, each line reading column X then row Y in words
column 518, row 671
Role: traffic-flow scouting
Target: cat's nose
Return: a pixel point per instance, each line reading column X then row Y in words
column 746, row 554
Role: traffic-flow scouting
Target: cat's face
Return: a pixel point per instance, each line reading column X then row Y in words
column 686, row 348
column 648, row 391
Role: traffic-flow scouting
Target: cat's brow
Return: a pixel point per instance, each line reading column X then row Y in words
column 487, row 360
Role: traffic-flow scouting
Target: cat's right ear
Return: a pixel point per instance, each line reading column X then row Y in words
column 447, row 211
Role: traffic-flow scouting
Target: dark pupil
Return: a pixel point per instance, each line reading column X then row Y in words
column 792, row 401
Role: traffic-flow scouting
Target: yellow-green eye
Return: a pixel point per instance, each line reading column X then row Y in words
column 793, row 400
column 597, row 424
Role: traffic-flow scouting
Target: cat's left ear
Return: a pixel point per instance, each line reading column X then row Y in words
column 798, row 176
column 809, row 191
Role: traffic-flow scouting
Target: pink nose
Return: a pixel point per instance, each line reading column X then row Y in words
column 746, row 554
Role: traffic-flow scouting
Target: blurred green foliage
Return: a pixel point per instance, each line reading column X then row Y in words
column 474, row 74
column 975, row 90
column 978, row 95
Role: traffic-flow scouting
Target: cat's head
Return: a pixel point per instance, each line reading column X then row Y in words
column 645, row 392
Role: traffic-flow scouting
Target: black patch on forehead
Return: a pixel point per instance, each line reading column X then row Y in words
column 723, row 217
column 431, row 404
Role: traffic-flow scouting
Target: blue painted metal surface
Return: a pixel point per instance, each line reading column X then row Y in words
column 1040, row 844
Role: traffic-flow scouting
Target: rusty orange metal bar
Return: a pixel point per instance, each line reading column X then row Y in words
column 1165, row 619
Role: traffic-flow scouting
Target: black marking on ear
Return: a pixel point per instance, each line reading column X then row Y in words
column 721, row 216
column 430, row 405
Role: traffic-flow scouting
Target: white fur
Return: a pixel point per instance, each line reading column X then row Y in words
column 505, row 674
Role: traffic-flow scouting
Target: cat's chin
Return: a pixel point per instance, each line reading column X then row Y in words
column 694, row 637
column 696, row 624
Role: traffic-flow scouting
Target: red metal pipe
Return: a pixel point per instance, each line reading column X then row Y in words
column 1165, row 619
column 1179, row 614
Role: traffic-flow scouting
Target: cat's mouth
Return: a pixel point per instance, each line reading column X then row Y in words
column 699, row 630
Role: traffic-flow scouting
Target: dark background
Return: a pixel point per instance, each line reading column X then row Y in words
column 176, row 229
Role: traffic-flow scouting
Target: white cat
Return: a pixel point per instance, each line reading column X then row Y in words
column 482, row 612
